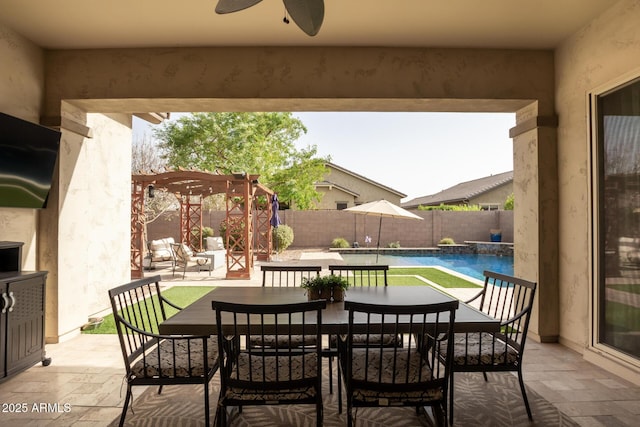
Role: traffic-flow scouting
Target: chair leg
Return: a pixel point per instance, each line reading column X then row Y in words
column 484, row 374
column 450, row 398
column 159, row 389
column 330, row 374
column 524, row 394
column 127, row 399
column 339, row 389
column 206, row 404
column 319, row 414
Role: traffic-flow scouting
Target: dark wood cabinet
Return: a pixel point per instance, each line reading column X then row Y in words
column 22, row 317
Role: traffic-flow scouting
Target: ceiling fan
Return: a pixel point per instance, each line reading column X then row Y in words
column 307, row 14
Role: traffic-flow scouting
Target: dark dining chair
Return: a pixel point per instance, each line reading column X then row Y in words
column 413, row 375
column 361, row 275
column 510, row 300
column 285, row 276
column 288, row 275
column 267, row 375
column 152, row 359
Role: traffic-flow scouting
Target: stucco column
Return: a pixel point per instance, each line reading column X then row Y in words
column 535, row 187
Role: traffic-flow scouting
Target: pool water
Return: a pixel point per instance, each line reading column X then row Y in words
column 472, row 265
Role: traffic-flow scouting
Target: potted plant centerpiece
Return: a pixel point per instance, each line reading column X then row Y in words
column 338, row 286
column 323, row 287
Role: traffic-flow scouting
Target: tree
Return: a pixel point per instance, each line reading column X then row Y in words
column 255, row 143
column 147, row 157
column 509, row 203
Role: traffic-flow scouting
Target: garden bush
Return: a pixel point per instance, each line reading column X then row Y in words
column 394, row 245
column 340, row 242
column 282, row 237
column 447, row 241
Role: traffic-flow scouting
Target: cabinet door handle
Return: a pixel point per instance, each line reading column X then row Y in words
column 13, row 301
column 6, row 302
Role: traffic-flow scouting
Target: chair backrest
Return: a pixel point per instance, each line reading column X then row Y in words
column 138, row 307
column 509, row 299
column 244, row 364
column 182, row 252
column 414, row 366
column 361, row 275
column 288, row 276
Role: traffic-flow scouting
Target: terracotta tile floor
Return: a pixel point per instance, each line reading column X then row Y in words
column 84, row 386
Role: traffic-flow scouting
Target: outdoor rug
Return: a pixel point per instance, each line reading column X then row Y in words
column 497, row 402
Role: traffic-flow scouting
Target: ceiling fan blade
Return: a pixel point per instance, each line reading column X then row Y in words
column 307, row 14
column 228, row 6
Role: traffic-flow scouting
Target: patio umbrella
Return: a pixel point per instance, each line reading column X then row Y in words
column 275, row 217
column 382, row 208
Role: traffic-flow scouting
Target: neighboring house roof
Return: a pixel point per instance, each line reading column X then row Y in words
column 330, row 185
column 462, row 192
column 363, row 178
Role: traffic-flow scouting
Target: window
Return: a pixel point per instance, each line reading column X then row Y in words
column 341, row 205
column 617, row 152
column 489, row 206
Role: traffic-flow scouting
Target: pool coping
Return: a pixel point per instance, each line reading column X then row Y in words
column 469, row 247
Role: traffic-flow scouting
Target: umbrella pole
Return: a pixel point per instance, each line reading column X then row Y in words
column 378, row 246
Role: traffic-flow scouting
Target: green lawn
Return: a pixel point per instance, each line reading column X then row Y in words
column 407, row 277
column 179, row 295
column 632, row 288
column 435, row 275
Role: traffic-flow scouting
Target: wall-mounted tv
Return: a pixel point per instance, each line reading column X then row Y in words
column 28, row 155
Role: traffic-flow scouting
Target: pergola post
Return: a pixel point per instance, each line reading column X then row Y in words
column 191, row 187
column 191, row 219
column 137, row 229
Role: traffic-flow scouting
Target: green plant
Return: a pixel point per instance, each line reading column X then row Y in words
column 340, row 242
column 394, row 245
column 509, row 203
column 282, row 237
column 323, row 282
column 196, row 238
column 456, row 208
column 447, row 241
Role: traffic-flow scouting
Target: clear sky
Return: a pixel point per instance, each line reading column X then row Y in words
column 417, row 154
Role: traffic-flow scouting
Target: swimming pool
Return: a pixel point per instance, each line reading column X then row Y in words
column 473, row 265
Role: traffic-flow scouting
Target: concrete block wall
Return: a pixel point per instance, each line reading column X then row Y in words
column 318, row 228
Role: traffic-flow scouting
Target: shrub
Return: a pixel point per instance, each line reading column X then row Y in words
column 394, row 245
column 340, row 242
column 447, row 241
column 196, row 238
column 282, row 237
column 455, row 208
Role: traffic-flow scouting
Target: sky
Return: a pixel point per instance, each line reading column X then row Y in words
column 417, row 154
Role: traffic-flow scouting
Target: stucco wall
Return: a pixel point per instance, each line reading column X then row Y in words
column 602, row 52
column 87, row 229
column 495, row 196
column 21, row 92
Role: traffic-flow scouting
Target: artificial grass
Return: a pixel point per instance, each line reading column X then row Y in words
column 435, row 275
column 179, row 295
column 407, row 277
column 632, row 288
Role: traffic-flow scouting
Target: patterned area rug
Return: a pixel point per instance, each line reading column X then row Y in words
column 477, row 403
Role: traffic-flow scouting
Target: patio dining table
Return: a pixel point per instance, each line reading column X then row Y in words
column 198, row 318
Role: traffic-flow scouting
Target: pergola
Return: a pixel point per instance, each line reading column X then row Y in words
column 248, row 205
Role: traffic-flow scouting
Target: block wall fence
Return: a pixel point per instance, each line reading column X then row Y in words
column 316, row 229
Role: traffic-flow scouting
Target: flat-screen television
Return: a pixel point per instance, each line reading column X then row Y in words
column 28, row 155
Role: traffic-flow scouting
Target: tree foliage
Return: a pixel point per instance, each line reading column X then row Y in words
column 443, row 207
column 147, row 157
column 509, row 203
column 255, row 143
